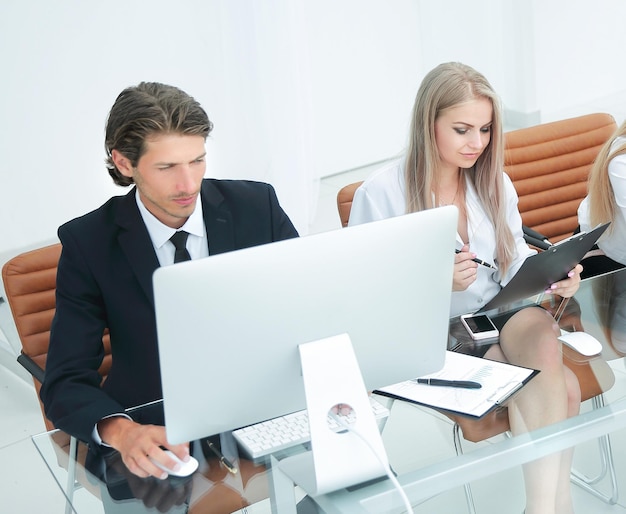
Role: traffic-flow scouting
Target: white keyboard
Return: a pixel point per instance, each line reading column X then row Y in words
column 285, row 432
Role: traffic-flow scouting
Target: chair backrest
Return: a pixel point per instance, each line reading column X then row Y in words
column 549, row 165
column 344, row 201
column 30, row 286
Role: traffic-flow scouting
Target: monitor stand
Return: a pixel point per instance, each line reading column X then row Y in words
column 337, row 459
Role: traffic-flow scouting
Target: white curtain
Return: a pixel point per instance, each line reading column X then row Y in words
column 263, row 105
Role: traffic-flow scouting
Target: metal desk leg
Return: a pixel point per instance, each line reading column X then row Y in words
column 71, row 475
column 282, row 495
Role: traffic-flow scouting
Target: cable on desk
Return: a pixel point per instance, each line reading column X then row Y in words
column 388, row 471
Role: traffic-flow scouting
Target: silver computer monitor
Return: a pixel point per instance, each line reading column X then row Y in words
column 229, row 325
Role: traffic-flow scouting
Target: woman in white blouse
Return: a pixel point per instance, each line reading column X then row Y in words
column 455, row 157
column 606, row 201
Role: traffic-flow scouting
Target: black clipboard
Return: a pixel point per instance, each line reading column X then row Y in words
column 500, row 381
column 539, row 271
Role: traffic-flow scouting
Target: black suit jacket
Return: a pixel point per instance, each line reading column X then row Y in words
column 104, row 279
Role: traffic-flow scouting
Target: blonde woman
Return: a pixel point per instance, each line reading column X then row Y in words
column 606, row 201
column 455, row 157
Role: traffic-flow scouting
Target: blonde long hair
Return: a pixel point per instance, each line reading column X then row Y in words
column 602, row 204
column 446, row 86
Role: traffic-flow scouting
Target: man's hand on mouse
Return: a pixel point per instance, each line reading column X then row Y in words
column 161, row 495
column 140, row 445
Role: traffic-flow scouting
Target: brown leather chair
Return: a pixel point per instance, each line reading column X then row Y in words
column 30, row 285
column 549, row 165
column 344, row 201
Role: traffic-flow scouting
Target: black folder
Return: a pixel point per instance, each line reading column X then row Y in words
column 499, row 382
column 539, row 271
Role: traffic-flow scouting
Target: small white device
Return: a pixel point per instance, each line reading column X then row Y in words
column 185, row 469
column 582, row 342
column 479, row 326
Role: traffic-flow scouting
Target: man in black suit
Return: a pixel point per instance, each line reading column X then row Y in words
column 155, row 139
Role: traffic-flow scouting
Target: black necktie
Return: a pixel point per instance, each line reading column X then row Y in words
column 179, row 240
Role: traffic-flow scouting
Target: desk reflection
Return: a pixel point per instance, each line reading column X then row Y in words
column 212, row 489
column 599, row 308
column 609, row 292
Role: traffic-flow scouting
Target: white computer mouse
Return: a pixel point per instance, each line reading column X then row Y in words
column 582, row 342
column 185, row 469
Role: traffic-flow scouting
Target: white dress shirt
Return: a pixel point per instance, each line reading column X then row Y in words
column 382, row 196
column 613, row 241
column 160, row 234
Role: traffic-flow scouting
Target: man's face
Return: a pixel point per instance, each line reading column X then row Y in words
column 168, row 176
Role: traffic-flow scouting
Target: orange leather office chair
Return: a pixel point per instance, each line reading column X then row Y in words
column 344, row 201
column 549, row 165
column 30, row 285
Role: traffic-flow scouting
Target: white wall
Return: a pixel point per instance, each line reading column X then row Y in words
column 579, row 55
column 63, row 63
column 546, row 58
column 297, row 89
column 293, row 88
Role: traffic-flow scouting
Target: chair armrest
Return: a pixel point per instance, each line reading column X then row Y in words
column 532, row 237
column 31, row 366
column 536, row 243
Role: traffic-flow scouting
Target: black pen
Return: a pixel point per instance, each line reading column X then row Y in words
column 227, row 464
column 463, row 384
column 480, row 261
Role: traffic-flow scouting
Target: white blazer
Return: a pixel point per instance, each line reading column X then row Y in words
column 382, row 196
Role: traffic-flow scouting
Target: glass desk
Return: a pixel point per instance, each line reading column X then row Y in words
column 419, row 445
column 102, row 484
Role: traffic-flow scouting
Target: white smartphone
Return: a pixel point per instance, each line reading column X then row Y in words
column 479, row 326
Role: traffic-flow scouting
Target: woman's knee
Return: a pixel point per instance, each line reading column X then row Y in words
column 532, row 331
column 531, row 319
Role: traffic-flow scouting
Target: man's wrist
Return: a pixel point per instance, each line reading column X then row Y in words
column 107, row 430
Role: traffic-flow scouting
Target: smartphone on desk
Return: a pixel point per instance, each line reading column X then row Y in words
column 479, row 326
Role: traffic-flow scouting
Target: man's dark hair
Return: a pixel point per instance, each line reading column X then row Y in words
column 145, row 110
